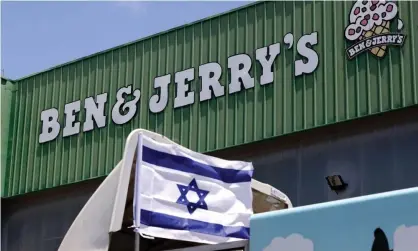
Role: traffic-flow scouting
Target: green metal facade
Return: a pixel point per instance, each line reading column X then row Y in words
column 7, row 101
column 339, row 90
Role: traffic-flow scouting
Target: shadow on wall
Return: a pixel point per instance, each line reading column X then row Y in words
column 363, row 161
column 40, row 226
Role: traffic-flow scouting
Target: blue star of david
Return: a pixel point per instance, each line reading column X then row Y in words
column 191, row 206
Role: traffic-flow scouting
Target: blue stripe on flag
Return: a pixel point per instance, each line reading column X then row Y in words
column 154, row 219
column 187, row 165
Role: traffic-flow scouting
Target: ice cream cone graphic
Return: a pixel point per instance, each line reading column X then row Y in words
column 377, row 30
column 369, row 27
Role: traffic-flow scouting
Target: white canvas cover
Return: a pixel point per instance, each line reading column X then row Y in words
column 90, row 230
column 103, row 213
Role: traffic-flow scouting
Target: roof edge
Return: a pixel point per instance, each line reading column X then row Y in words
column 256, row 2
column 7, row 80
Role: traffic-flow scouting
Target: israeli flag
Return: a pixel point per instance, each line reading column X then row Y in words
column 184, row 195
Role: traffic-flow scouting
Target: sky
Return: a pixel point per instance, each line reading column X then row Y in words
column 38, row 35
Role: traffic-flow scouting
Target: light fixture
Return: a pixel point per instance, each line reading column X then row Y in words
column 336, row 183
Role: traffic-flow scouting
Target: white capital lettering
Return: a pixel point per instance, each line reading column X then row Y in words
column 310, row 54
column 157, row 103
column 50, row 125
column 184, row 96
column 95, row 112
column 210, row 74
column 71, row 126
column 261, row 54
column 240, row 66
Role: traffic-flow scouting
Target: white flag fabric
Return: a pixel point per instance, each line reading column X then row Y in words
column 184, row 195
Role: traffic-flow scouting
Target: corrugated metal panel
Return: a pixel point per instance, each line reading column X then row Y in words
column 338, row 90
column 7, row 101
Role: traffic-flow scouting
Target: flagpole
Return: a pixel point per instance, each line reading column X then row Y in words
column 137, row 210
column 137, row 241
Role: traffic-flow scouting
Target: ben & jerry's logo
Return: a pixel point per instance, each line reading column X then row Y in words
column 369, row 28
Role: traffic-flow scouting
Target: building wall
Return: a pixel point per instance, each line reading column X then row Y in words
column 337, row 90
column 7, row 102
column 372, row 160
column 39, row 221
column 374, row 154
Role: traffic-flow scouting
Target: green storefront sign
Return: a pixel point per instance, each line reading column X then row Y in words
column 209, row 74
column 261, row 71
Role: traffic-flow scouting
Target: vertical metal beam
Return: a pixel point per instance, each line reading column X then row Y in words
column 247, row 246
